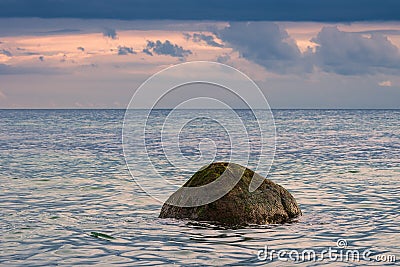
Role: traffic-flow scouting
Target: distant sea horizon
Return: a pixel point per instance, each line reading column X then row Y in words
column 200, row 109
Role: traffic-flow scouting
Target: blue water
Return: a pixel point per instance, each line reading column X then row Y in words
column 63, row 175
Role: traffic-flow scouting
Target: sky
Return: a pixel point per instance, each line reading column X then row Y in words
column 302, row 54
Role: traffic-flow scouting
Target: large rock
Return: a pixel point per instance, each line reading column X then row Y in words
column 268, row 204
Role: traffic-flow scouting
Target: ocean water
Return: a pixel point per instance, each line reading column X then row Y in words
column 63, row 175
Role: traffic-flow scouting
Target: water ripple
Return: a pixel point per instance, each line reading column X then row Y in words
column 63, row 176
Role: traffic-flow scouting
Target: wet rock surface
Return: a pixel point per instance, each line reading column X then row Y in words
column 270, row 203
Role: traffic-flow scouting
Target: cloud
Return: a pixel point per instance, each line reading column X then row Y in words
column 336, row 51
column 64, row 58
column 201, row 37
column 41, row 58
column 61, row 31
column 255, row 10
column 31, row 53
column 350, row 53
column 124, row 50
column 147, row 51
column 6, row 69
column 110, row 33
column 165, row 48
column 187, row 36
column 266, row 44
column 385, row 32
column 224, row 58
column 81, row 48
column 385, row 83
column 25, row 52
column 6, row 53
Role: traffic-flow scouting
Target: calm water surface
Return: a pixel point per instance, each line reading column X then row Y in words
column 63, row 175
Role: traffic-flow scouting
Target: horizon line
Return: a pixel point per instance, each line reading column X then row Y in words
column 55, row 109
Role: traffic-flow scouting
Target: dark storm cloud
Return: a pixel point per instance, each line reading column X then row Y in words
column 165, row 48
column 231, row 10
column 260, row 40
column 350, row 53
column 124, row 50
column 345, row 53
column 201, row 37
column 266, row 44
column 110, row 33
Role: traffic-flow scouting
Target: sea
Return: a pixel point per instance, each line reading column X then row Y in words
column 68, row 198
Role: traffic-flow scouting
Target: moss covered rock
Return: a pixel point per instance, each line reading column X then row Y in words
column 270, row 203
